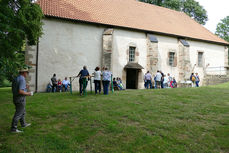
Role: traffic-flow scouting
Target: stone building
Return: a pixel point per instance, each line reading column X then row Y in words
column 127, row 36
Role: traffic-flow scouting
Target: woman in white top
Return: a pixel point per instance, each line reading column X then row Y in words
column 97, row 80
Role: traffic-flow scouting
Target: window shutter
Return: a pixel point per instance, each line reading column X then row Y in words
column 175, row 60
column 167, row 61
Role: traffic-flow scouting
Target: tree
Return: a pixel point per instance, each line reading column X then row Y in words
column 20, row 22
column 222, row 29
column 190, row 7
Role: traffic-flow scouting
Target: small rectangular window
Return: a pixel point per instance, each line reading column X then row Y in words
column 200, row 59
column 171, row 58
column 132, row 54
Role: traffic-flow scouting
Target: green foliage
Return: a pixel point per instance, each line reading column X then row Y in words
column 190, row 120
column 190, row 7
column 20, row 21
column 222, row 29
column 195, row 10
column 9, row 66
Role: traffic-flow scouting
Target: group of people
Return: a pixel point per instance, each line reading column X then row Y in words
column 19, row 88
column 100, row 77
column 58, row 85
column 103, row 76
column 195, row 79
column 117, row 83
column 160, row 80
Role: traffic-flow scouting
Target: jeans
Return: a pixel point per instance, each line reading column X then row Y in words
column 197, row 83
column 162, row 85
column 165, row 85
column 65, row 87
column 97, row 86
column 145, row 84
column 148, row 84
column 106, row 87
column 54, row 86
column 19, row 114
column 59, row 88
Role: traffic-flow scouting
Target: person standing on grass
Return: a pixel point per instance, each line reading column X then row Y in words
column 54, row 83
column 84, row 75
column 19, row 89
column 158, row 79
column 170, row 80
column 148, row 78
column 145, row 81
column 97, row 80
column 165, row 82
column 197, row 80
column 162, row 79
column 106, row 81
column 193, row 79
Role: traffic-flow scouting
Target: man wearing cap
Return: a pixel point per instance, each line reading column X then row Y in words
column 19, row 92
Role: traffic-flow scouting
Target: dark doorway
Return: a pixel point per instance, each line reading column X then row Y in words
column 131, row 78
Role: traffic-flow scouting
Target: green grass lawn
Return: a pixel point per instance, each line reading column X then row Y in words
column 171, row 120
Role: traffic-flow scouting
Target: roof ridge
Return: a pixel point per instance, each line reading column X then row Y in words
column 130, row 14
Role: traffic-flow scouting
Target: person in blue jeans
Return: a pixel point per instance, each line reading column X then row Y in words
column 148, row 79
column 66, row 83
column 106, row 81
column 97, row 79
column 197, row 79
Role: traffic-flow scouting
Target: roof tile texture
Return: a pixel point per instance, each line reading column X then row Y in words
column 130, row 14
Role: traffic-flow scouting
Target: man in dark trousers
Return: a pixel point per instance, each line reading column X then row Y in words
column 84, row 75
column 19, row 90
column 54, row 83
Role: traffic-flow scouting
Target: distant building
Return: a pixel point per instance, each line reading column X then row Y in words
column 127, row 36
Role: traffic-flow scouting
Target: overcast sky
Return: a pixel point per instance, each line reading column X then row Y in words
column 216, row 10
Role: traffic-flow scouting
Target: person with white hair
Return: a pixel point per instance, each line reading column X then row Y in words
column 106, row 81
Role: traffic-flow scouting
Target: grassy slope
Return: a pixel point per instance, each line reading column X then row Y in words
column 171, row 120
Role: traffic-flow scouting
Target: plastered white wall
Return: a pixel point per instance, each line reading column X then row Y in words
column 65, row 47
column 165, row 45
column 213, row 55
column 122, row 39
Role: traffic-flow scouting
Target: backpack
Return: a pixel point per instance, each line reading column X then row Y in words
column 193, row 78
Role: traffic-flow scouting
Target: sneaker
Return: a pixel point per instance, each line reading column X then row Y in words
column 16, row 131
column 26, row 125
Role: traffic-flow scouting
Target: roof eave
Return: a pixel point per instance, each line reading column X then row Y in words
column 143, row 30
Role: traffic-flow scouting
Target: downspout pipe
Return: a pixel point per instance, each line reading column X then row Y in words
column 36, row 79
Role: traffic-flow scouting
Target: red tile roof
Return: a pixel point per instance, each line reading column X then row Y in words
column 129, row 14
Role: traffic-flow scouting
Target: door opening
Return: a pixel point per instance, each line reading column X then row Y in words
column 131, row 78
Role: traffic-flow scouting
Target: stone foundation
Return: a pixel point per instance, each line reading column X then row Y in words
column 215, row 79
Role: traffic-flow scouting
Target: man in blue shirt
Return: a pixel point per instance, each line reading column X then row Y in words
column 84, row 75
column 19, row 90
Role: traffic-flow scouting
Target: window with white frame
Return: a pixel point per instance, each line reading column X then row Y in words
column 200, row 59
column 132, row 53
column 171, row 58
